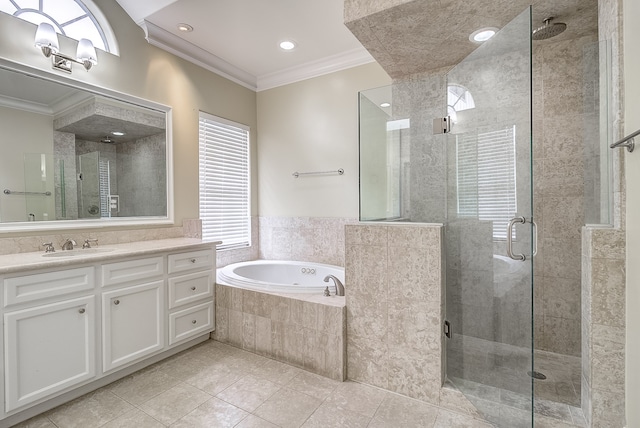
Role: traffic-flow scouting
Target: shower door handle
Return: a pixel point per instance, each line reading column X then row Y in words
column 512, row 222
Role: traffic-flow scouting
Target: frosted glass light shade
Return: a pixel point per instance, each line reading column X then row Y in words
column 47, row 38
column 86, row 53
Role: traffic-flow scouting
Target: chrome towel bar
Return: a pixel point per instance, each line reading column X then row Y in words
column 298, row 174
column 626, row 142
column 13, row 192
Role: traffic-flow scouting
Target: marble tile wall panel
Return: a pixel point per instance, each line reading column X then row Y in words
column 309, row 239
column 393, row 275
column 31, row 243
column 306, row 334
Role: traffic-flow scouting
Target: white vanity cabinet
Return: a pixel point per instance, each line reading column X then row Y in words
column 77, row 325
column 49, row 339
column 191, row 286
column 133, row 312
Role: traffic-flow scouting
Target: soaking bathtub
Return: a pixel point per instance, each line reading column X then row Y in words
column 279, row 276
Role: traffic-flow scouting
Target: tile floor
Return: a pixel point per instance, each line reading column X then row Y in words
column 216, row 385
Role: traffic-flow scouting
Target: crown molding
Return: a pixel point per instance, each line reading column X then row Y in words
column 24, row 105
column 196, row 55
column 192, row 53
column 320, row 67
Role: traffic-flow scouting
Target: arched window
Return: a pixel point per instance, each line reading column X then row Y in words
column 72, row 18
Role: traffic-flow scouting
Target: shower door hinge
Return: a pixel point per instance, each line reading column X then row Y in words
column 441, row 125
column 447, row 329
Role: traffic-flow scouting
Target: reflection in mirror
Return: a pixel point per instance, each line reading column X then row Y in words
column 69, row 154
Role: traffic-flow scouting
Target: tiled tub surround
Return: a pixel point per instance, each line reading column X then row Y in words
column 306, row 331
column 306, row 239
column 394, row 282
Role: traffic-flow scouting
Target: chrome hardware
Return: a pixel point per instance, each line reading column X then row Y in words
column 13, row 192
column 447, row 329
column 535, row 238
column 339, row 171
column 626, row 142
column 193, row 288
column 69, row 244
column 338, row 283
column 81, row 310
column 116, row 302
column 309, row 271
column 88, row 241
column 441, row 125
column 48, row 247
column 327, row 293
column 512, row 222
column 192, row 260
column 194, row 322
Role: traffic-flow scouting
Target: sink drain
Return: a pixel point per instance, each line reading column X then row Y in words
column 537, row 375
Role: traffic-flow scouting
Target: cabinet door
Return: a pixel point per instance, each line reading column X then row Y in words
column 132, row 325
column 48, row 349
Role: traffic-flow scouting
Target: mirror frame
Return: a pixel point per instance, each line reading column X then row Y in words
column 53, row 225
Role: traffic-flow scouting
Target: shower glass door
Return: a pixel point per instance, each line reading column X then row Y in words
column 489, row 176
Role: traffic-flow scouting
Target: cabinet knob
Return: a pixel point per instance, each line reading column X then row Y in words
column 193, row 288
column 194, row 321
column 193, row 260
column 116, row 302
column 81, row 310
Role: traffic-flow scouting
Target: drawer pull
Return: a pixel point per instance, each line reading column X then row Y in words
column 81, row 310
column 193, row 288
column 193, row 260
column 116, row 302
column 194, row 322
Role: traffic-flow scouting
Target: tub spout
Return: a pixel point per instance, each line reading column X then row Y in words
column 339, row 286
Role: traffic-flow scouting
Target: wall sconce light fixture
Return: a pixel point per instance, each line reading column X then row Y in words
column 47, row 40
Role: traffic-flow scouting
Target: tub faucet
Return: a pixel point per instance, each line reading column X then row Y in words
column 68, row 244
column 339, row 286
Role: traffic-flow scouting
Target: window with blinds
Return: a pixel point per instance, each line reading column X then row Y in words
column 486, row 175
column 224, row 182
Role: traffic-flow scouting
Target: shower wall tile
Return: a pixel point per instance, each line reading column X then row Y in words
column 306, row 334
column 310, row 239
column 394, row 307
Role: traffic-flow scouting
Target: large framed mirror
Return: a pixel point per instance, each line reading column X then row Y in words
column 73, row 156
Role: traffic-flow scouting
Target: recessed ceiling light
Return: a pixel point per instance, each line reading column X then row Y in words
column 117, row 133
column 185, row 27
column 287, row 45
column 385, row 105
column 483, row 34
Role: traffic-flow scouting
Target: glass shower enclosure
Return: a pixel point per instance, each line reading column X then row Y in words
column 456, row 148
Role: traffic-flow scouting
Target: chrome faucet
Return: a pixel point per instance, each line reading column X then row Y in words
column 339, row 286
column 87, row 243
column 68, row 244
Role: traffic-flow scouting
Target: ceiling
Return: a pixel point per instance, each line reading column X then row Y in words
column 239, row 39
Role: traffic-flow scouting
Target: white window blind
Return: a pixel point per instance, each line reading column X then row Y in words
column 486, row 175
column 224, row 182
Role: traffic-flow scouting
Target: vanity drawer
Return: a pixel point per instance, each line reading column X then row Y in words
column 132, row 270
column 190, row 288
column 31, row 288
column 203, row 259
column 190, row 322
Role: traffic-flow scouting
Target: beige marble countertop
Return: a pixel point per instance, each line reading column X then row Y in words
column 28, row 261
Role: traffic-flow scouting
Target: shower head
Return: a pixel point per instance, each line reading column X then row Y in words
column 548, row 30
column 106, row 140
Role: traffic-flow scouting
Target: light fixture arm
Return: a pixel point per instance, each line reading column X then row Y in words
column 61, row 61
column 47, row 40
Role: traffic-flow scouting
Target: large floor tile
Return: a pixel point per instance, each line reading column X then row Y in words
column 175, row 403
column 143, row 385
column 134, row 419
column 215, row 379
column 313, row 384
column 447, row 419
column 405, row 412
column 253, row 421
column 94, row 409
column 40, row 421
column 288, row 408
column 277, row 372
column 357, row 397
column 328, row 416
column 212, row 413
column 249, row 392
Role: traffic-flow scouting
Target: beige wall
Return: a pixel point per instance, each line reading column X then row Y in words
column 312, row 126
column 632, row 123
column 147, row 72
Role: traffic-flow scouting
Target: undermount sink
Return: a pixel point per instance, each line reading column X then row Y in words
column 78, row 253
